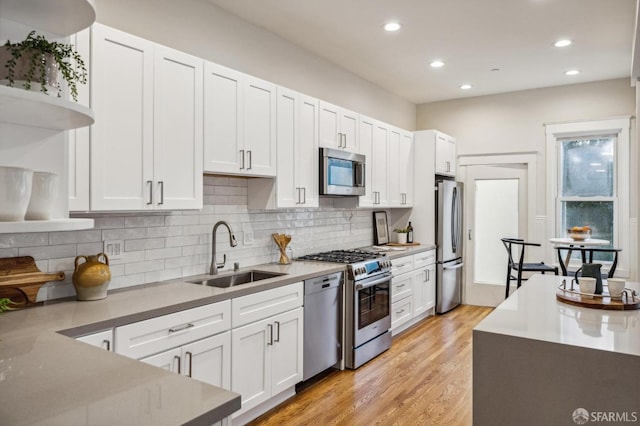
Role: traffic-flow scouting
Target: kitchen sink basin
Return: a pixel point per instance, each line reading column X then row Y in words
column 239, row 278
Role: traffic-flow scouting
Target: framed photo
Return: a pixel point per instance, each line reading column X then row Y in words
column 380, row 228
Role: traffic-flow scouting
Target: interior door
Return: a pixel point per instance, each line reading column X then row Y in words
column 496, row 201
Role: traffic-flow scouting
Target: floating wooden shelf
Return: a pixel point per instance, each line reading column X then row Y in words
column 36, row 109
column 61, row 17
column 52, row 225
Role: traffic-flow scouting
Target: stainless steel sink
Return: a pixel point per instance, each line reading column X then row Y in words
column 224, row 281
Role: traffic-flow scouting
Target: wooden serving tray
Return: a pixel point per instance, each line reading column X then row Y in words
column 402, row 245
column 20, row 276
column 598, row 301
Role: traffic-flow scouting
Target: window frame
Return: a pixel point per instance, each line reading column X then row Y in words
column 617, row 127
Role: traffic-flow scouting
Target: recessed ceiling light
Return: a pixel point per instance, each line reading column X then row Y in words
column 562, row 43
column 572, row 72
column 392, row 26
column 465, row 87
column 438, row 63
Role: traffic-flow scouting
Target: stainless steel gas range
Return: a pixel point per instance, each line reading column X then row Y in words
column 367, row 298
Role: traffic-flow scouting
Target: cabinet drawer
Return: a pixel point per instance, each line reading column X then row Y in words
column 401, row 312
column 401, row 287
column 424, row 259
column 257, row 306
column 401, row 265
column 154, row 335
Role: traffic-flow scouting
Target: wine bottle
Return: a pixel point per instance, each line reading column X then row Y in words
column 409, row 233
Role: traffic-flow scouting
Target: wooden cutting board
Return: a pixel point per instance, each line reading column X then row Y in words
column 20, row 276
column 402, row 245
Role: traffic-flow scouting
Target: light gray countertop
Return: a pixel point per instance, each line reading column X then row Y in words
column 49, row 378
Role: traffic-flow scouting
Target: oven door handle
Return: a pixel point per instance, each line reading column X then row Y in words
column 370, row 282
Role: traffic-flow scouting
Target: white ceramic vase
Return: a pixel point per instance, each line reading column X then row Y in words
column 44, row 190
column 15, row 191
column 402, row 238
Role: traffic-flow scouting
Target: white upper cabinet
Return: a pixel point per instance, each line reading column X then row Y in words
column 146, row 144
column 445, row 154
column 374, row 140
column 400, row 168
column 338, row 127
column 240, row 123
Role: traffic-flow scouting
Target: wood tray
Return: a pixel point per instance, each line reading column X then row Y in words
column 628, row 302
column 20, row 279
column 402, row 245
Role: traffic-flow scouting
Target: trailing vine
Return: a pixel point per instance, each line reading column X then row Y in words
column 35, row 49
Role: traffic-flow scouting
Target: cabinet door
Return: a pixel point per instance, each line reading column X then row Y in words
column 366, row 130
column 222, row 119
column 209, row 360
column 349, row 128
column 287, row 350
column 170, row 360
column 101, row 339
column 259, row 127
column 405, row 169
column 287, row 187
column 178, row 132
column 445, row 154
column 251, row 363
column 122, row 136
column 308, row 152
column 379, row 164
column 329, row 130
column 419, row 280
column 430, row 294
column 394, row 169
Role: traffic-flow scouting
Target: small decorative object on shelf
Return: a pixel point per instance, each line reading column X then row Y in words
column 282, row 241
column 15, row 192
column 44, row 189
column 35, row 62
column 92, row 277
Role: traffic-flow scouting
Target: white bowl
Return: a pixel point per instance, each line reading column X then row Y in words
column 43, row 192
column 15, row 191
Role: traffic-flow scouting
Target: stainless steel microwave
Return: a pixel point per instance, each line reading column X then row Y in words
column 341, row 173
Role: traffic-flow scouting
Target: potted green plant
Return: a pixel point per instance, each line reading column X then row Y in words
column 37, row 61
column 402, row 235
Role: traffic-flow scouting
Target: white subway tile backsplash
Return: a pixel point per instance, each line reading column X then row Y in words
column 174, row 244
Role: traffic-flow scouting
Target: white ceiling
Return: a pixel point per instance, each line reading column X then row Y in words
column 471, row 36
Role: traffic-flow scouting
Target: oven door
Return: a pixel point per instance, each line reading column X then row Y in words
column 372, row 308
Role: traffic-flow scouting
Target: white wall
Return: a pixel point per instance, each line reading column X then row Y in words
column 513, row 123
column 204, row 30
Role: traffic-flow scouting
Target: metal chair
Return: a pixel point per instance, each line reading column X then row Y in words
column 586, row 254
column 520, row 266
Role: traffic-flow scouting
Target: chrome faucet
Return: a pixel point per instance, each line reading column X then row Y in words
column 232, row 242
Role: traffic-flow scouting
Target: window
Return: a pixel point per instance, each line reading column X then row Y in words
column 588, row 182
column 587, row 192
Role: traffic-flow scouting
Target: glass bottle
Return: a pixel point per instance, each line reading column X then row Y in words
column 409, row 233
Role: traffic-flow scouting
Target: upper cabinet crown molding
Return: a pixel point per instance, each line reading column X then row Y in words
column 61, row 17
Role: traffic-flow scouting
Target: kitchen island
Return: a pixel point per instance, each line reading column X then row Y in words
column 47, row 377
column 538, row 361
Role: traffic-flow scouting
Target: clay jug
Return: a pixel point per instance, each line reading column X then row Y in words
column 91, row 278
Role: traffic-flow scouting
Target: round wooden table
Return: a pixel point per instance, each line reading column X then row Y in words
column 570, row 242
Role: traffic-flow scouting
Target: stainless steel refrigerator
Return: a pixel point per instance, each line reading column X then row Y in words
column 449, row 261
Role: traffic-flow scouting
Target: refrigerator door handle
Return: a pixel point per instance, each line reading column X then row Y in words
column 457, row 266
column 454, row 221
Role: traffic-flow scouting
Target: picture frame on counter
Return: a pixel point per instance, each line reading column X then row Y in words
column 380, row 228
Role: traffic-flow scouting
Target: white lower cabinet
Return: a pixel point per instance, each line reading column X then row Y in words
column 267, row 352
column 412, row 290
column 101, row 339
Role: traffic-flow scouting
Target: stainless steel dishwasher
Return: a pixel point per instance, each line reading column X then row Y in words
column 322, row 323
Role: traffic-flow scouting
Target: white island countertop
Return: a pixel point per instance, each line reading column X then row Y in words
column 534, row 313
column 539, row 361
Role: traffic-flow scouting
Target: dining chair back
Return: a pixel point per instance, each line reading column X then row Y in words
column 519, row 266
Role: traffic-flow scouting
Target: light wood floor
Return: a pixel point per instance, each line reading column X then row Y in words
column 424, row 379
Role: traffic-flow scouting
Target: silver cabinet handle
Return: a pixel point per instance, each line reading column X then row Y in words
column 181, row 328
column 400, row 311
column 161, row 183
column 179, row 363
column 298, row 191
column 190, row 364
column 344, row 138
column 304, row 195
column 277, row 339
column 448, row 163
column 250, row 162
column 107, row 344
column 270, row 342
column 400, row 285
column 150, row 185
column 242, row 160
